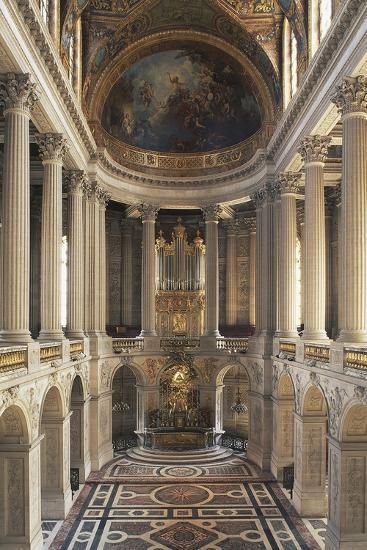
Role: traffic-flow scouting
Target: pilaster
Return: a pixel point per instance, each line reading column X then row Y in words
column 211, row 215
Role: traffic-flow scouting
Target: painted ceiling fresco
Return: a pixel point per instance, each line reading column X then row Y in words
column 193, row 98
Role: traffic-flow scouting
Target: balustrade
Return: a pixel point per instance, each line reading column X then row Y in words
column 127, row 345
column 233, row 345
column 317, row 352
column 355, row 358
column 12, row 359
column 50, row 352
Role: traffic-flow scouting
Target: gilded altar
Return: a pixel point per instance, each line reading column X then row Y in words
column 180, row 313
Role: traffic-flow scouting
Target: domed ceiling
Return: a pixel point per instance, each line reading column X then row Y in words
column 190, row 99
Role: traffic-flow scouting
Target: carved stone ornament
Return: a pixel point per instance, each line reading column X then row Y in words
column 298, row 394
column 232, row 227
column 314, row 148
column 52, row 146
column 75, row 181
column 351, row 95
column 8, row 396
column 315, row 379
column 17, row 91
column 148, row 212
column 212, row 212
column 360, row 393
column 289, row 182
column 103, row 197
column 336, row 398
column 273, row 190
column 259, row 197
column 338, row 193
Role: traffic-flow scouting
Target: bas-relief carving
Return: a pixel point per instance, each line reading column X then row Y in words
column 312, row 450
column 206, row 367
column 356, row 423
column 354, row 494
column 104, row 422
column 336, row 398
column 51, row 457
column 75, row 434
column 333, row 501
column 151, row 368
column 256, row 422
column 15, row 496
column 257, row 376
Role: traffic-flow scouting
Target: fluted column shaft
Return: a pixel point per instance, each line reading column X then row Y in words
column 127, row 273
column 258, row 268
column 17, row 96
column 351, row 99
column 252, row 274
column 92, row 260
column 52, row 150
column 103, row 199
column 148, row 321
column 287, row 266
column 231, row 275
column 314, row 150
column 211, row 215
column 75, row 181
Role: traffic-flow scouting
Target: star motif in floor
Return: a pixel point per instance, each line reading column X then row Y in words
column 183, row 536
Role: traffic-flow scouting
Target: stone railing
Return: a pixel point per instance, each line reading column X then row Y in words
column 233, row 345
column 12, row 359
column 355, row 358
column 127, row 345
column 317, row 352
column 287, row 350
column 50, row 352
column 171, row 343
column 76, row 349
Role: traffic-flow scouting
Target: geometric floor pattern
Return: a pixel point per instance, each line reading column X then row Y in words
column 184, row 508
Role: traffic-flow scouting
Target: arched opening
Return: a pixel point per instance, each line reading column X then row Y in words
column 124, row 409
column 235, row 408
column 347, row 526
column 55, row 457
column 283, row 427
column 310, row 455
column 79, row 432
column 20, row 517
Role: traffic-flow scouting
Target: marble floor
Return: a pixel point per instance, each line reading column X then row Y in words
column 229, row 506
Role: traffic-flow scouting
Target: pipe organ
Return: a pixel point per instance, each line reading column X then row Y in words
column 180, row 283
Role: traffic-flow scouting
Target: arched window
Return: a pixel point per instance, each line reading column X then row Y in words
column 320, row 15
column 45, row 10
column 290, row 78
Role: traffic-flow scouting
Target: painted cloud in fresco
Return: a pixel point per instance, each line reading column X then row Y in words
column 183, row 100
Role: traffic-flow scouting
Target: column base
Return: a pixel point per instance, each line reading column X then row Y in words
column 148, row 333
column 51, row 335
column 208, row 343
column 75, row 334
column 315, row 335
column 286, row 334
column 353, row 336
column 213, row 334
column 16, row 336
column 349, row 542
column 309, row 504
column 56, row 504
column 35, row 544
column 277, row 466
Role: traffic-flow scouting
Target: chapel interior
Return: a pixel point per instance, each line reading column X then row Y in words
column 183, row 274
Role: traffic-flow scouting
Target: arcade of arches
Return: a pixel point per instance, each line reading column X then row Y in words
column 183, row 274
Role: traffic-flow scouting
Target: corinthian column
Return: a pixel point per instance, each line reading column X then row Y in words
column 351, row 100
column 18, row 96
column 148, row 216
column 252, row 272
column 313, row 150
column 127, row 273
column 287, row 266
column 52, row 151
column 103, row 198
column 231, row 273
column 75, row 181
column 211, row 216
column 92, row 260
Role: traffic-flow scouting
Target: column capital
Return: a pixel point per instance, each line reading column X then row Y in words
column 75, row 180
column 103, row 197
column 212, row 212
column 17, row 91
column 148, row 212
column 314, row 148
column 52, row 147
column 250, row 224
column 259, row 197
column 273, row 190
column 289, row 182
column 351, row 95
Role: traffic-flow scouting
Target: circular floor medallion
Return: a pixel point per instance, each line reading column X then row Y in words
column 181, row 495
column 180, row 471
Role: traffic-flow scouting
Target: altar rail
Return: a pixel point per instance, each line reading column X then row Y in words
column 233, row 345
column 355, row 358
column 177, row 342
column 127, row 345
column 12, row 359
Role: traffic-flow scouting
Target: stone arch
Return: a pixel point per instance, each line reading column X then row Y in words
column 134, row 367
column 235, row 379
column 79, row 429
column 310, row 450
column 225, row 368
column 283, row 426
column 353, row 426
column 20, row 517
column 126, row 390
column 55, row 455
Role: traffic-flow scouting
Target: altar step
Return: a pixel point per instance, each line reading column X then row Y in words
column 200, row 456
